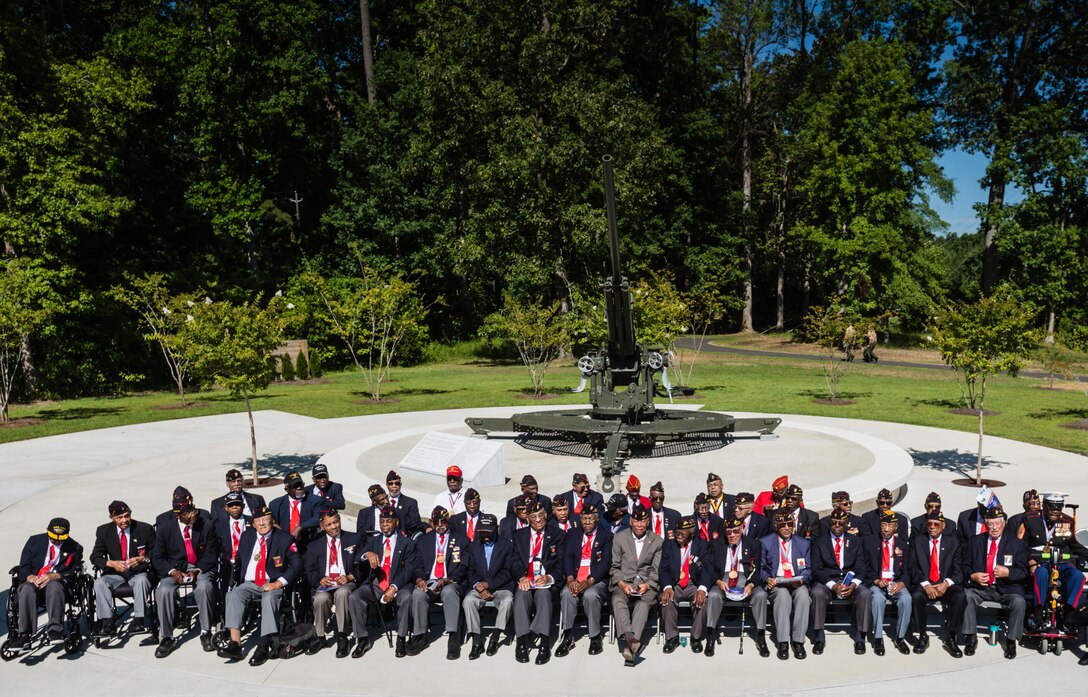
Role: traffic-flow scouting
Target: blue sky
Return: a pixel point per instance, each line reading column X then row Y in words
column 965, row 169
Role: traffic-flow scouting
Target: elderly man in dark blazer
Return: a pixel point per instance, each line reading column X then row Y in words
column 536, row 564
column 681, row 579
column 787, row 576
column 936, row 565
column 393, row 559
column 888, row 576
column 734, row 572
column 636, row 560
column 996, row 566
column 489, row 580
column 122, row 554
column 330, row 568
column 580, row 494
column 838, row 570
column 587, row 559
column 49, row 560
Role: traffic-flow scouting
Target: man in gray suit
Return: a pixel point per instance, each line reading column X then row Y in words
column 636, row 555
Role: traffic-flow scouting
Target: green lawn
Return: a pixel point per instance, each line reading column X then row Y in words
column 782, row 385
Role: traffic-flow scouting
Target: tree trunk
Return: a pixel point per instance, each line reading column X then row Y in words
column 995, row 200
column 978, row 462
column 746, row 181
column 26, row 364
column 780, row 293
column 1050, row 328
column 252, row 435
column 368, row 50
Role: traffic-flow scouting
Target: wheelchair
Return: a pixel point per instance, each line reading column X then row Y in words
column 1049, row 625
column 294, row 607
column 78, row 600
column 125, row 620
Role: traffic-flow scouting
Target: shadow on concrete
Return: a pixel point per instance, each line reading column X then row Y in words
column 959, row 462
column 557, row 445
column 277, row 466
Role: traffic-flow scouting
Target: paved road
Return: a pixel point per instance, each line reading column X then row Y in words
column 689, row 343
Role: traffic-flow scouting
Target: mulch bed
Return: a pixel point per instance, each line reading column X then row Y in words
column 170, row 407
column 20, row 423
column 311, row 381
column 969, row 482
column 1080, row 425
column 963, row 411
column 538, row 397
column 264, row 483
column 833, row 402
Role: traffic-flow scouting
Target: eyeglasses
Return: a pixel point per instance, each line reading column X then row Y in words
column 657, row 498
column 785, row 524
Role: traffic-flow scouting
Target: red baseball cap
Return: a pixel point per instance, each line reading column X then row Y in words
column 453, row 471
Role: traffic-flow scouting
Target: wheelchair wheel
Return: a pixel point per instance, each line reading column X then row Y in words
column 6, row 652
column 1058, row 646
column 73, row 643
column 1044, row 646
column 221, row 638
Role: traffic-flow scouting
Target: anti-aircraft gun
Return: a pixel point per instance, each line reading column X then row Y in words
column 623, row 381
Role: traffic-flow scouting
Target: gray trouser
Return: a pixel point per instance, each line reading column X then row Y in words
column 670, row 612
column 1014, row 603
column 715, row 601
column 592, row 599
column 902, row 601
column 785, row 602
column 369, row 593
column 630, row 621
column 325, row 601
column 203, row 590
column 28, row 607
column 241, row 594
column 104, row 586
column 861, row 598
column 450, row 596
column 538, row 602
column 504, row 603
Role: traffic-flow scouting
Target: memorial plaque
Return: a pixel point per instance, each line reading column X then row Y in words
column 480, row 460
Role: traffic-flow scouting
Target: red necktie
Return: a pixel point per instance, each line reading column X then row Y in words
column 294, row 515
column 49, row 564
column 334, row 558
column 704, row 531
column 990, row 559
column 538, row 541
column 234, row 537
column 685, row 570
column 577, row 505
column 387, row 564
column 124, row 546
column 934, row 570
column 583, row 569
column 785, row 559
column 260, row 576
column 440, row 558
column 886, row 557
column 190, row 553
column 657, row 524
column 471, row 529
column 838, row 551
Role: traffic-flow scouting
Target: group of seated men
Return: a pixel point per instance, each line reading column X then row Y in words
column 629, row 554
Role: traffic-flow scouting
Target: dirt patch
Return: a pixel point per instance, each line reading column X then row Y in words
column 833, row 402
column 171, row 407
column 1062, row 387
column 970, row 483
column 963, row 411
column 311, row 381
column 383, row 400
column 20, row 423
column 1081, row 425
column 541, row 396
column 264, row 483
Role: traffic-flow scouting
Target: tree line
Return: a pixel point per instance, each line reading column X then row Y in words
column 772, row 156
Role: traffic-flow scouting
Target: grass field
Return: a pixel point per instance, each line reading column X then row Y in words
column 1027, row 409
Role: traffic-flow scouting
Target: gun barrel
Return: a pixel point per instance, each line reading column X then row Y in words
column 613, row 230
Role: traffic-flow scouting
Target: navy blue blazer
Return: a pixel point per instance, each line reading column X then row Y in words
column 497, row 575
column 668, row 571
column 672, row 517
column 331, row 497
column 1011, row 553
column 224, row 531
column 550, row 556
column 403, row 567
column 456, row 560
column 307, row 513
column 69, row 557
column 853, row 525
column 799, row 558
column 758, row 527
column 107, row 547
column 749, row 567
column 825, row 568
column 899, row 559
column 949, row 561
column 714, row 528
column 459, row 523
column 281, row 558
column 918, row 527
column 870, row 525
column 317, row 556
column 600, row 556
column 408, row 511
column 591, row 496
column 219, row 509
column 967, row 525
column 170, row 516
column 508, row 526
column 168, row 552
column 544, row 501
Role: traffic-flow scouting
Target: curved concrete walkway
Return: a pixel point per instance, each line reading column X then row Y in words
column 76, row 475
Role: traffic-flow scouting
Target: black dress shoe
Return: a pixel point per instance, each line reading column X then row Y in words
column 108, row 627
column 922, row 644
column 477, row 649
column 878, row 647
column 970, row 643
column 545, row 653
column 20, row 642
column 261, row 654
column 314, row 646
column 521, row 651
column 696, row 645
column 416, row 645
column 207, row 642
column 710, row 644
column 565, row 645
column 596, row 645
column 361, row 647
column 493, row 645
column 859, row 648
column 1083, row 660
column 343, row 646
column 902, row 646
column 166, row 647
column 670, row 645
column 232, row 651
column 950, row 646
column 453, row 647
column 1010, row 649
column 402, row 649
column 817, row 647
column 56, row 636
column 783, row 650
column 761, row 646
column 799, row 650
